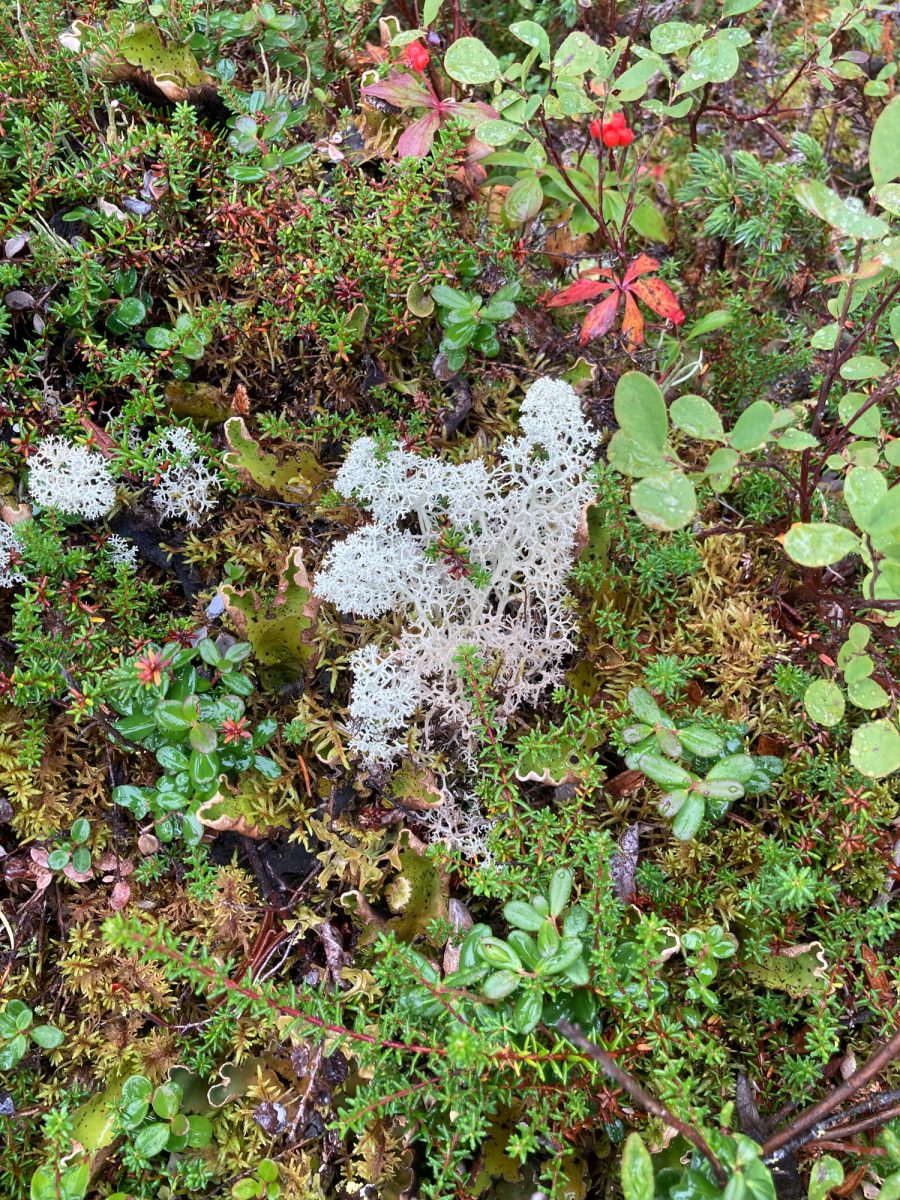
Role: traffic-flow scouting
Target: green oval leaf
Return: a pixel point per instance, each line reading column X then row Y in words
column 527, row 1012
column 560, row 890
column 875, row 749
column 697, row 417
column 48, row 1037
column 522, row 916
column 637, row 1169
column 469, row 61
column 523, row 200
column 819, row 545
column 665, row 502
column 641, row 410
column 689, row 818
column 884, row 145
column 752, row 426
column 152, row 1140
column 500, row 984
column 532, row 35
column 824, row 701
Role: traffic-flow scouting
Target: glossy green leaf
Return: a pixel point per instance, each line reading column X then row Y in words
column 500, row 984
column 689, row 818
column 702, row 742
column 497, row 953
column 560, row 890
column 152, row 1140
column 644, row 706
column 663, row 772
column 637, row 1169
column 167, row 1100
column 527, row 1012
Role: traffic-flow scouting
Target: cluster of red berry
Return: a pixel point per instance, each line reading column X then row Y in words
column 613, row 132
column 416, row 56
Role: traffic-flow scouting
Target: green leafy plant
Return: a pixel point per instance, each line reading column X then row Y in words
column 656, row 743
column 185, row 704
column 544, row 950
column 153, row 1120
column 17, row 1029
column 263, row 1185
column 470, row 323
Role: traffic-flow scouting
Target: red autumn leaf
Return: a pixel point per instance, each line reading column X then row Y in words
column 632, row 322
column 416, row 140
column 660, row 297
column 582, row 289
column 657, row 295
column 599, row 320
column 402, row 90
column 642, row 265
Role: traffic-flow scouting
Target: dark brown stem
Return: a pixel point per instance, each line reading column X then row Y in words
column 647, row 1102
column 811, row 1116
column 877, row 1119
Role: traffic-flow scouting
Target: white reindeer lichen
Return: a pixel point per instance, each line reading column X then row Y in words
column 10, row 555
column 71, row 479
column 500, row 588
column 186, row 486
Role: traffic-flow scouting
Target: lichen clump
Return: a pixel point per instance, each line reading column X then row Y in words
column 473, row 556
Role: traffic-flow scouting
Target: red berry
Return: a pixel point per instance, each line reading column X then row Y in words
column 596, row 128
column 617, row 120
column 417, row 56
column 626, row 137
column 610, row 136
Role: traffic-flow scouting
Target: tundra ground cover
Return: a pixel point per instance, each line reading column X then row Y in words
column 449, row 582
